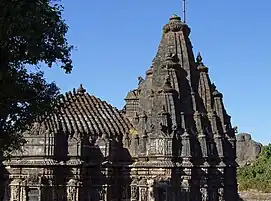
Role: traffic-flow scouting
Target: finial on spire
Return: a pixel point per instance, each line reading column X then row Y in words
column 199, row 58
column 175, row 17
column 184, row 11
column 201, row 67
column 140, row 80
column 81, row 90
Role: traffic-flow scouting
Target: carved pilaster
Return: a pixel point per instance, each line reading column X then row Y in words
column 15, row 193
column 135, row 144
column 185, row 143
column 103, row 193
column 15, row 187
column 134, row 190
column 218, row 105
column 186, row 184
column 221, row 194
column 186, row 149
column 232, row 141
column 151, row 190
column 204, row 194
column 219, row 145
column 143, row 190
column 212, row 116
column 126, row 140
column 24, row 193
column 143, row 144
column 72, row 190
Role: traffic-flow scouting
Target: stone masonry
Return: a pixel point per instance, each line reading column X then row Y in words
column 172, row 141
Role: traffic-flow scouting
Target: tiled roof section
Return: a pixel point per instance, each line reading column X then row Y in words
column 79, row 112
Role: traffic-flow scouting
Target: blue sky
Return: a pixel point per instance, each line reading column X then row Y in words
column 117, row 40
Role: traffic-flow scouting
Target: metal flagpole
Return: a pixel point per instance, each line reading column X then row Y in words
column 184, row 11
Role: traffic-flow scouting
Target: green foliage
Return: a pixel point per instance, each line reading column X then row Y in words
column 31, row 33
column 258, row 174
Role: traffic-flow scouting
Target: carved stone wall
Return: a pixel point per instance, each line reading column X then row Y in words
column 173, row 140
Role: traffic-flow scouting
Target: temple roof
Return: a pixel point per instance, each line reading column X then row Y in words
column 178, row 84
column 79, row 112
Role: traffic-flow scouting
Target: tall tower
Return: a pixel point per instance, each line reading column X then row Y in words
column 182, row 143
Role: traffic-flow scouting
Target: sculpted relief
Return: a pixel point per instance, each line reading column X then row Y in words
column 221, row 194
column 15, row 193
column 134, row 193
column 204, row 194
column 143, row 194
column 15, row 190
column 71, row 190
column 156, row 146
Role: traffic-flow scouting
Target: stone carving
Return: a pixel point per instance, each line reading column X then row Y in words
column 186, row 98
column 221, row 194
column 160, row 146
column 174, row 25
column 71, row 190
column 37, row 129
column 102, row 193
column 151, row 189
column 140, row 80
column 134, row 192
column 15, row 193
column 247, row 149
column 204, row 194
column 143, row 194
column 33, row 177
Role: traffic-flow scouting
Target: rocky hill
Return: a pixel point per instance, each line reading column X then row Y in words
column 254, row 172
column 247, row 150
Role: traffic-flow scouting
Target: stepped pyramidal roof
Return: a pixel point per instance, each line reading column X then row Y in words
column 177, row 98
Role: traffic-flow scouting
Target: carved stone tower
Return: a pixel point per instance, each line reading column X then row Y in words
column 182, row 140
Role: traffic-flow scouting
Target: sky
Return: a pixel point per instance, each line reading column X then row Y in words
column 117, row 40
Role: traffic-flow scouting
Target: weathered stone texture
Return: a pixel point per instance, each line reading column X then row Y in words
column 254, row 196
column 247, row 149
column 172, row 141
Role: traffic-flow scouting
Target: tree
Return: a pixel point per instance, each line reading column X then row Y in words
column 257, row 175
column 32, row 32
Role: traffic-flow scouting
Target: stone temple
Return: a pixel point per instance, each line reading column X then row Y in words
column 172, row 141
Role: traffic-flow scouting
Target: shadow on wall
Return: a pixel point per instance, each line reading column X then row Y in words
column 3, row 176
column 109, row 178
column 104, row 174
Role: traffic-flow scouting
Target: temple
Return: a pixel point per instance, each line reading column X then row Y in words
column 172, row 141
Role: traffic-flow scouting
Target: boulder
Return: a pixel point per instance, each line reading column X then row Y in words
column 247, row 150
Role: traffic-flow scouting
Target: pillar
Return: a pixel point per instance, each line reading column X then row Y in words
column 72, row 190
column 16, row 190
column 134, row 190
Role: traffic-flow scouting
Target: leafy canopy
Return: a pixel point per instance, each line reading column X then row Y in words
column 32, row 32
